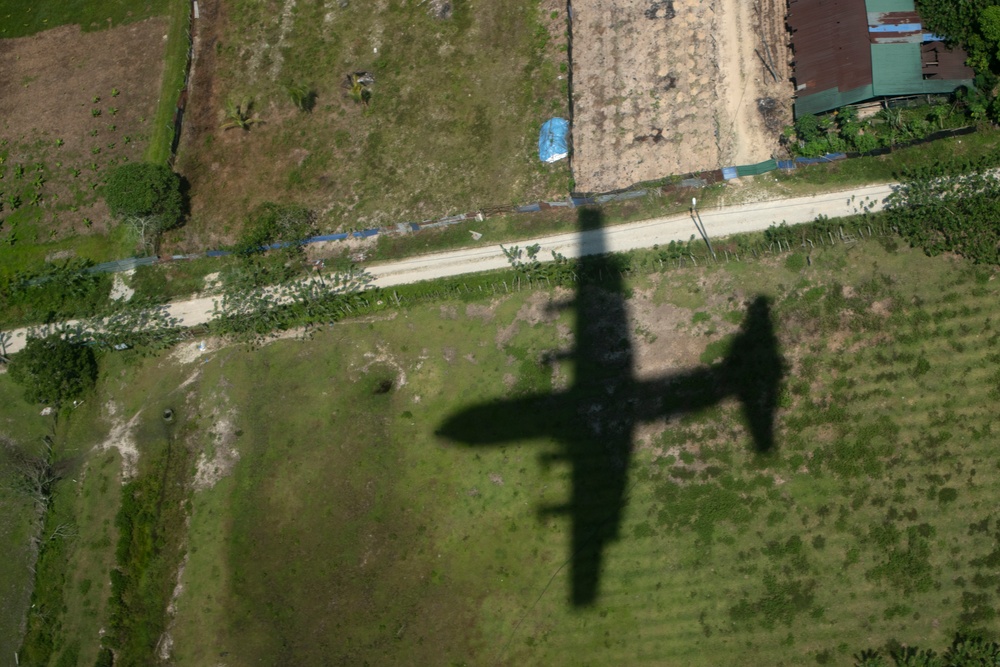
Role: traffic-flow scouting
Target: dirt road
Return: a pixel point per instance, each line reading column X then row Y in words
column 719, row 222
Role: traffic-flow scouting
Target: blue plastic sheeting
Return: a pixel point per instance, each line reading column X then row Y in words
column 530, row 208
column 621, row 196
column 930, row 37
column 582, row 201
column 365, row 233
column 786, row 164
column 414, row 226
column 829, row 157
column 552, row 144
column 729, row 173
column 327, row 237
column 217, row 253
column 899, row 27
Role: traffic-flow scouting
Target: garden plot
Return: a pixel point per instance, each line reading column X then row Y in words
column 675, row 86
column 72, row 105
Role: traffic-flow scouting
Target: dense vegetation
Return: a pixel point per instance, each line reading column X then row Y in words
column 950, row 208
column 971, row 23
column 54, row 370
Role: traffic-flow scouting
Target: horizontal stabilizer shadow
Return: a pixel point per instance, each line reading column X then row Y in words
column 593, row 422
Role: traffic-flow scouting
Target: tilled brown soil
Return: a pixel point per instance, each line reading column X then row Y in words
column 51, row 87
column 664, row 87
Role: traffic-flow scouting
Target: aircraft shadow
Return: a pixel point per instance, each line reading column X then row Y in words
column 595, row 419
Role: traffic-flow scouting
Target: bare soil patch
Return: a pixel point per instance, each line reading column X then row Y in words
column 675, row 86
column 73, row 105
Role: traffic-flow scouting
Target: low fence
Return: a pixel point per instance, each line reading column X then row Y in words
column 664, row 186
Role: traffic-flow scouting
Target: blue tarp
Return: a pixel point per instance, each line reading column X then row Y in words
column 552, row 144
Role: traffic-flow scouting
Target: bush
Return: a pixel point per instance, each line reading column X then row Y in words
column 808, row 129
column 53, row 369
column 275, row 223
column 142, row 190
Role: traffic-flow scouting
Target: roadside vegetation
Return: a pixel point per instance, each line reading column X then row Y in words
column 863, row 530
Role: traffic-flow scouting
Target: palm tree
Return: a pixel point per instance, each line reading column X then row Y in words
column 302, row 96
column 360, row 83
column 241, row 115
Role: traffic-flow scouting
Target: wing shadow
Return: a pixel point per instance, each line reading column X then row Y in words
column 594, row 420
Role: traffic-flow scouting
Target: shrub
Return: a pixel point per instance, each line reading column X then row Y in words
column 273, row 223
column 53, row 369
column 808, row 129
column 143, row 190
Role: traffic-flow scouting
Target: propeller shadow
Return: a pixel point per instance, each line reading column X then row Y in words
column 595, row 419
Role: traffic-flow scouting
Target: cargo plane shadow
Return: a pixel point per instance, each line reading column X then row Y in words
column 593, row 422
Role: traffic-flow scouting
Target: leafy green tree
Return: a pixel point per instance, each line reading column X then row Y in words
column 145, row 196
column 52, row 369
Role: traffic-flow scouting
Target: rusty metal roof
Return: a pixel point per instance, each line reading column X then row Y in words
column 830, row 42
column 847, row 51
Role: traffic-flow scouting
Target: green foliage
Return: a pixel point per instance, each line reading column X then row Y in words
column 807, row 127
column 939, row 210
column 908, row 570
column 55, row 292
column 302, row 96
column 965, row 651
column 271, row 223
column 781, row 602
column 149, row 523
column 52, row 370
column 143, row 190
column 240, row 115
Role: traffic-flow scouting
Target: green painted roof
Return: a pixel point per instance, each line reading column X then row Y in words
column 889, row 6
column 832, row 98
column 896, row 71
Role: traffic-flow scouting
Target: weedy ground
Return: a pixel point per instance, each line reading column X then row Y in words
column 460, row 91
column 328, row 521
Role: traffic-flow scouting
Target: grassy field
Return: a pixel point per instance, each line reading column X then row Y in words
column 22, row 18
column 20, row 424
column 869, row 523
column 452, row 123
column 65, row 126
column 330, row 522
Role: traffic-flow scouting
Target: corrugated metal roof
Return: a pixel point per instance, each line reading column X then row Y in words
column 828, row 52
column 940, row 62
column 848, row 51
column 890, row 5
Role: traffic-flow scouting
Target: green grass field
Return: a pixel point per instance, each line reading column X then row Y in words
column 19, row 18
column 329, row 523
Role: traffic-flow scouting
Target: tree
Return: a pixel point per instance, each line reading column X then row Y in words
column 52, row 369
column 302, row 96
column 145, row 196
column 942, row 211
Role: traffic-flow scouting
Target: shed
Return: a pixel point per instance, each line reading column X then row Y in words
column 849, row 51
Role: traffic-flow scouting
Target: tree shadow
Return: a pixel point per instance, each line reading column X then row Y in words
column 593, row 422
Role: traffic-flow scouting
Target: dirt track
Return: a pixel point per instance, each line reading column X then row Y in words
column 644, row 234
column 667, row 87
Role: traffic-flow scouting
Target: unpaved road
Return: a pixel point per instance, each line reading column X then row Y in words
column 719, row 222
